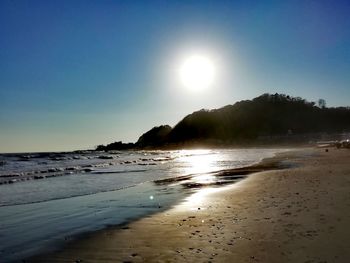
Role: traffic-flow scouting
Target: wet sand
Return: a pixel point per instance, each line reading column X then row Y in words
column 299, row 214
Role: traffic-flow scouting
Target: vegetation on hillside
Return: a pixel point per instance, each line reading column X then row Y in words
column 249, row 120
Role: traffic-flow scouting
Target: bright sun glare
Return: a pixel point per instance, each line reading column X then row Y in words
column 197, row 73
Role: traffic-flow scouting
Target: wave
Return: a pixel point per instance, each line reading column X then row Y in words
column 224, row 176
column 107, row 184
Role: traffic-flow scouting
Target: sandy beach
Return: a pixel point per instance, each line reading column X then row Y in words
column 298, row 214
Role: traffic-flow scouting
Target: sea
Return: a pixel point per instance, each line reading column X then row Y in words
column 48, row 199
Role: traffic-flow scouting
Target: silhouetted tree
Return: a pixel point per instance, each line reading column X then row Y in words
column 321, row 103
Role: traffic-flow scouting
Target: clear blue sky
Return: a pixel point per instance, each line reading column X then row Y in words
column 74, row 74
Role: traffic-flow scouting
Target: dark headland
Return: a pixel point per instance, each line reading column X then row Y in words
column 265, row 120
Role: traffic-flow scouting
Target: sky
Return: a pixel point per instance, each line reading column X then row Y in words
column 75, row 74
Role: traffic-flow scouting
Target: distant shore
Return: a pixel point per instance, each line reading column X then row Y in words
column 297, row 214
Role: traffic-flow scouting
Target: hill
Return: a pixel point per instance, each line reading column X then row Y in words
column 248, row 121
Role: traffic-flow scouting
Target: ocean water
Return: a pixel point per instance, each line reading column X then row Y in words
column 46, row 199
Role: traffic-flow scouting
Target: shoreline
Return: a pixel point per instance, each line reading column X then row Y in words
column 292, row 215
column 277, row 162
column 88, row 214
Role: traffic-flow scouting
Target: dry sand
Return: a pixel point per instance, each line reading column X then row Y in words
column 300, row 214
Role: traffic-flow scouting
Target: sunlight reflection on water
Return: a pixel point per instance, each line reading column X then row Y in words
column 200, row 161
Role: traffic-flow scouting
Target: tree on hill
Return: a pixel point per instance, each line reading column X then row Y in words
column 321, row 103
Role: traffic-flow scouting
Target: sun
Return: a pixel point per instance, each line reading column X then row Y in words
column 197, row 73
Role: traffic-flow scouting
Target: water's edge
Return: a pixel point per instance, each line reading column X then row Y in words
column 66, row 220
column 265, row 164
